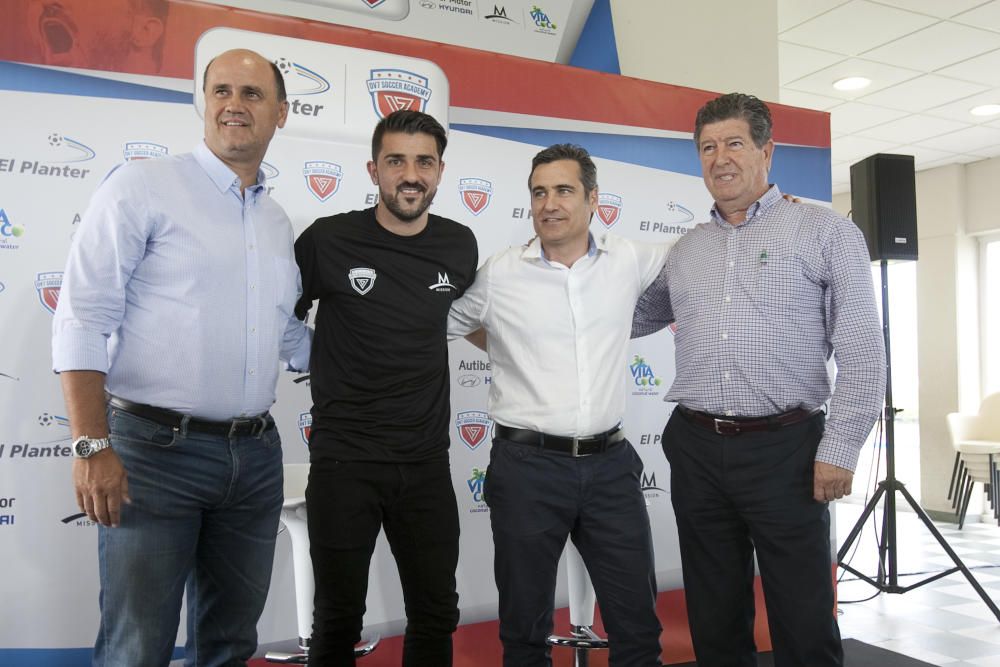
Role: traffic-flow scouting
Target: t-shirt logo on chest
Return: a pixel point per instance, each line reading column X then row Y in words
column 362, row 280
column 443, row 284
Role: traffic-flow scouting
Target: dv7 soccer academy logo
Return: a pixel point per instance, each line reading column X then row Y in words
column 305, row 425
column 609, row 209
column 473, row 427
column 476, row 194
column 396, row 89
column 48, row 286
column 322, row 178
column 646, row 382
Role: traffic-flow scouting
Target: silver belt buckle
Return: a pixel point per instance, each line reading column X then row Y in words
column 575, row 452
column 728, row 422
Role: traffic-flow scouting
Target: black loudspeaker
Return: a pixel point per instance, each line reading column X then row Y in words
column 884, row 205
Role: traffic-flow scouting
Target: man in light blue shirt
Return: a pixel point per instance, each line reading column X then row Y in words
column 176, row 306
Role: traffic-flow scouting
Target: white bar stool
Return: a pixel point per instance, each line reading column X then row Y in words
column 582, row 599
column 293, row 516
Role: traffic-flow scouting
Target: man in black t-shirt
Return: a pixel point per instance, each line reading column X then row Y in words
column 385, row 278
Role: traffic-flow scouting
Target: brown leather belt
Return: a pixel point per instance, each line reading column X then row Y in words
column 591, row 444
column 737, row 425
column 242, row 427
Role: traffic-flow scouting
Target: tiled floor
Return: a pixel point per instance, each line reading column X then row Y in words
column 944, row 622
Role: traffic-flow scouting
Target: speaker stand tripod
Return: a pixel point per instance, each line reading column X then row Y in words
column 887, row 579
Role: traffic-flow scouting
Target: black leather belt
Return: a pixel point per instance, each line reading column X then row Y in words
column 233, row 428
column 591, row 444
column 736, row 425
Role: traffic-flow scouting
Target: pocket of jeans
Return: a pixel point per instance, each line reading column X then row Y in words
column 271, row 437
column 128, row 428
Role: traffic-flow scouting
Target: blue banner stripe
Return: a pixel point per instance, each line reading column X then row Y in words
column 800, row 170
column 27, row 78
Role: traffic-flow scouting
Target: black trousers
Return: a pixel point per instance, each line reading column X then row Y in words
column 347, row 503
column 537, row 499
column 736, row 495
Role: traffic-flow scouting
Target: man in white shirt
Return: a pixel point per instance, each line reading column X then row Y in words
column 557, row 314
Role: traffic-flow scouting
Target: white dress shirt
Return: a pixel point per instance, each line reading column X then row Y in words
column 558, row 337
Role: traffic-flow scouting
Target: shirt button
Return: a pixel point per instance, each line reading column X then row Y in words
column 729, row 413
column 728, row 298
column 726, row 375
column 725, row 336
column 253, row 329
column 730, row 263
column 253, row 287
column 250, row 246
column 253, row 372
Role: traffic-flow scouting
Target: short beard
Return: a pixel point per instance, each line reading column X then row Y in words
column 392, row 203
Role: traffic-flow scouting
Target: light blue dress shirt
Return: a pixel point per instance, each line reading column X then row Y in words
column 182, row 290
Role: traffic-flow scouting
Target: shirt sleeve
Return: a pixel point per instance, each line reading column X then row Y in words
column 106, row 249
column 296, row 342
column 468, row 313
column 653, row 312
column 856, row 336
column 305, row 257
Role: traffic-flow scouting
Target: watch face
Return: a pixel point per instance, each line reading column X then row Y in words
column 83, row 448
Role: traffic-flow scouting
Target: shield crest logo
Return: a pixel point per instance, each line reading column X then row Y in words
column 362, row 280
column 322, row 178
column 396, row 89
column 48, row 286
column 476, row 194
column 473, row 427
column 143, row 150
column 305, row 426
column 609, row 209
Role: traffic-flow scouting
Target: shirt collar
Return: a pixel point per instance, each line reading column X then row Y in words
column 766, row 201
column 220, row 173
column 534, row 249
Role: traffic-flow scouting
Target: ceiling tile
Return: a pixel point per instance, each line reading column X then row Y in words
column 937, row 46
column 853, row 116
column 929, row 90
column 990, row 151
column 983, row 68
column 870, row 25
column 840, row 173
column 882, row 76
column 921, row 154
column 985, row 16
column 793, row 12
column 797, row 98
column 912, row 129
column 970, row 140
column 853, row 148
column 933, row 7
column 796, row 61
column 959, row 109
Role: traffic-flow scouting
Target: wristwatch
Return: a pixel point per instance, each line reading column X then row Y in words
column 84, row 447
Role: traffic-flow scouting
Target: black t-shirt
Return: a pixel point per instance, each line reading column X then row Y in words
column 379, row 366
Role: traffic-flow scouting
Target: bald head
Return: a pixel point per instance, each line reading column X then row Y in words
column 279, row 79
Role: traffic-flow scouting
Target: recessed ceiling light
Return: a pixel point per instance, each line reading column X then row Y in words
column 985, row 110
column 852, row 83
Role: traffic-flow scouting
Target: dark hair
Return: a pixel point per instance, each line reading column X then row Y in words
column 279, row 78
column 736, row 105
column 579, row 154
column 410, row 122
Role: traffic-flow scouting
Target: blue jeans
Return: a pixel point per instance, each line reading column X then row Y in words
column 204, row 514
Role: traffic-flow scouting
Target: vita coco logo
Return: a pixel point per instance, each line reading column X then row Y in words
column 9, row 232
column 542, row 22
column 475, row 484
column 646, row 382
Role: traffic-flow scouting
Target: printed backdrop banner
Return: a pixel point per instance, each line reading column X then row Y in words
column 65, row 128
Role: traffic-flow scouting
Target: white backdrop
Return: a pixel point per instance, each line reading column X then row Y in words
column 56, row 146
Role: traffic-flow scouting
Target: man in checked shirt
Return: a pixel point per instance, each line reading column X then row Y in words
column 761, row 296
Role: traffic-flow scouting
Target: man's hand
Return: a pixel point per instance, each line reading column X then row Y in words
column 830, row 482
column 101, row 487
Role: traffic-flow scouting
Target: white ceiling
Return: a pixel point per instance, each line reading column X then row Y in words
column 930, row 61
